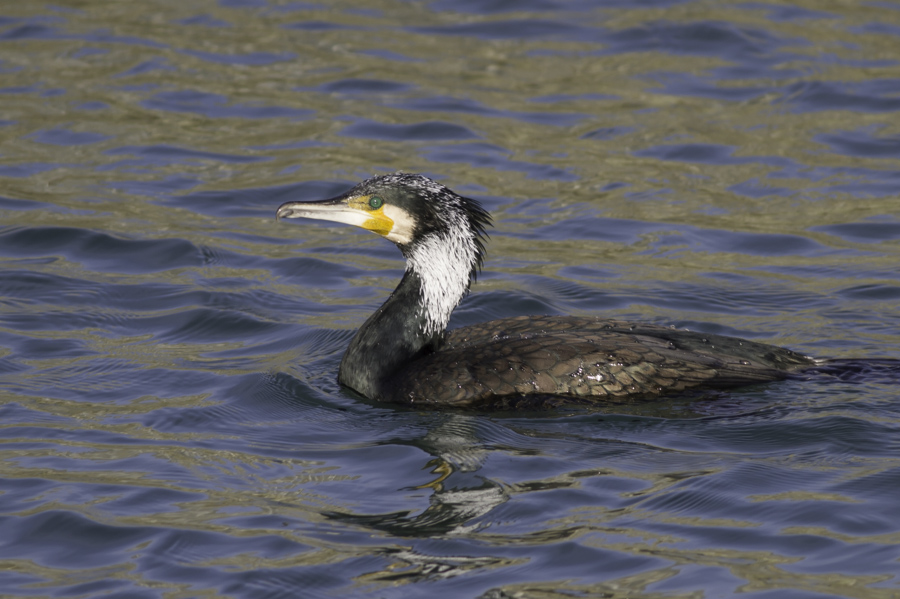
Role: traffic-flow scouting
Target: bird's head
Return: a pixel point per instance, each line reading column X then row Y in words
column 413, row 211
column 440, row 233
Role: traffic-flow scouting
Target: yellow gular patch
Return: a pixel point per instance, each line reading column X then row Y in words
column 378, row 222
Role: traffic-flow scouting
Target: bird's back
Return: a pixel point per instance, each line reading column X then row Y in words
column 588, row 359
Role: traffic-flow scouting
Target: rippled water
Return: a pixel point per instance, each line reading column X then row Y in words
column 171, row 423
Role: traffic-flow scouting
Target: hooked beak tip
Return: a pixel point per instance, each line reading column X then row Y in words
column 283, row 212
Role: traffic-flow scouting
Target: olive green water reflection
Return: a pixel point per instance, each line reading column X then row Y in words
column 170, row 421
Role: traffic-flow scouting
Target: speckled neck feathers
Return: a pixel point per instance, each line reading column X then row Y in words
column 444, row 253
column 448, row 255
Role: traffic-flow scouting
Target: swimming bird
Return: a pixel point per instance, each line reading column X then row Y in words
column 403, row 353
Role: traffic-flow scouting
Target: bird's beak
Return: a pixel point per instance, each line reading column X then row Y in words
column 351, row 210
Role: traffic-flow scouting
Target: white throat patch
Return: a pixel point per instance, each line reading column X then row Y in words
column 404, row 225
column 444, row 264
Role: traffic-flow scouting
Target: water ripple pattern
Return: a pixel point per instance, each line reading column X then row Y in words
column 170, row 421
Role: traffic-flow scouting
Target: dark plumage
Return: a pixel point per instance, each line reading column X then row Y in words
column 403, row 353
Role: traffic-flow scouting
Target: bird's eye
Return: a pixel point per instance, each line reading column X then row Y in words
column 375, row 202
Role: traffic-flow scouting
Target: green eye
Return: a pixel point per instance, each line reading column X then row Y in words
column 375, row 202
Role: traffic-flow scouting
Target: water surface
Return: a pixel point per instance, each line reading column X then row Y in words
column 171, row 423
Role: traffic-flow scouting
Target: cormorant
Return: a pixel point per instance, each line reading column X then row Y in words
column 404, row 354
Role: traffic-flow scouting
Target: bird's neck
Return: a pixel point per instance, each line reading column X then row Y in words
column 411, row 323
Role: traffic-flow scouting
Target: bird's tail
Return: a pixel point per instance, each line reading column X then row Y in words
column 857, row 370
